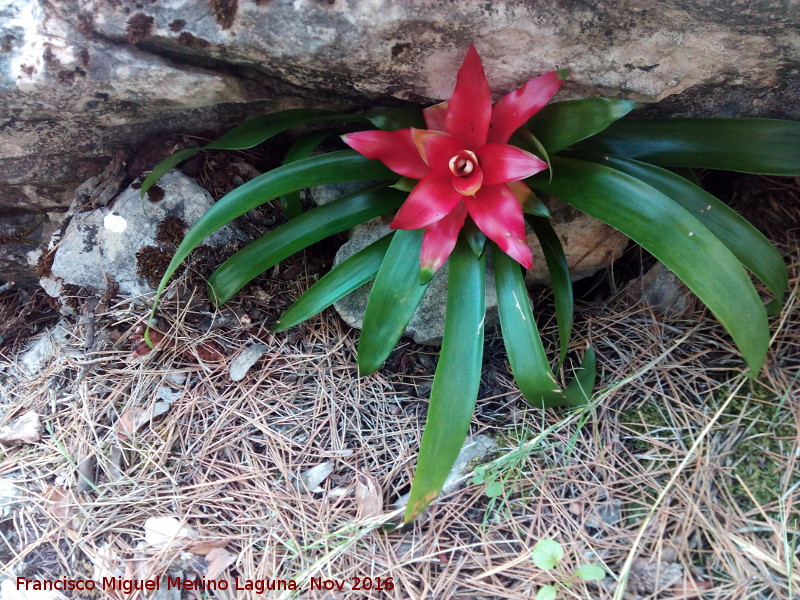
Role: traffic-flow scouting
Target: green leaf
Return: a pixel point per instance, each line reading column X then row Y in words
column 689, row 174
column 749, row 245
column 405, row 184
column 399, row 117
column 765, row 146
column 523, row 344
column 395, row 296
column 256, row 131
column 249, row 134
column 164, row 167
column 345, row 165
column 535, row 146
column 494, row 489
column 673, row 236
column 562, row 124
column 309, row 228
column 474, row 236
column 458, row 375
column 579, row 391
column 546, row 554
column 345, row 277
column 560, row 278
column 479, row 475
column 301, row 148
column 533, row 206
column 547, row 592
column 590, row 573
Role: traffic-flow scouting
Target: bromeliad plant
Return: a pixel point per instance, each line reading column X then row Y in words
column 461, row 177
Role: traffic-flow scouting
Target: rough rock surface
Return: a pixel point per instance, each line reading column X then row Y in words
column 661, row 290
column 105, row 241
column 589, row 245
column 80, row 79
column 427, row 323
column 70, row 98
column 646, row 51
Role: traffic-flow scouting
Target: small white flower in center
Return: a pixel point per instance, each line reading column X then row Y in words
column 463, row 163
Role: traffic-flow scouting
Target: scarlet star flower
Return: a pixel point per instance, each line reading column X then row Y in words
column 464, row 164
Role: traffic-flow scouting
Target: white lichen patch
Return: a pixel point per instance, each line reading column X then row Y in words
column 115, row 223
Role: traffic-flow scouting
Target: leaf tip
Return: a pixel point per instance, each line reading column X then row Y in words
column 563, row 73
column 426, row 273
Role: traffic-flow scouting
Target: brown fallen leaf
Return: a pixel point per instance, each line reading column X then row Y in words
column 23, row 430
column 218, row 560
column 134, row 418
column 205, row 547
column 130, row 421
column 61, row 506
column 87, row 473
column 207, row 352
column 369, row 498
column 157, row 338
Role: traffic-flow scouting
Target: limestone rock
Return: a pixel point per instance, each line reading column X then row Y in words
column 70, row 99
column 661, row 290
column 427, row 323
column 646, row 51
column 44, row 349
column 81, row 79
column 102, row 244
column 589, row 245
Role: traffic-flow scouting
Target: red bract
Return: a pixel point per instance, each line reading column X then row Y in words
column 464, row 164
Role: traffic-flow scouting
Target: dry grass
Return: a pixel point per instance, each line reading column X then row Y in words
column 680, row 464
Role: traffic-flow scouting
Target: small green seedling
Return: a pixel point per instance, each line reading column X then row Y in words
column 546, row 555
column 494, row 488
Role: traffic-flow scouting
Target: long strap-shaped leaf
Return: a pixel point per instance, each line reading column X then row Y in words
column 749, row 245
column 562, row 124
column 258, row 130
column 524, row 347
column 676, row 238
column 309, row 228
column 393, row 299
column 300, row 149
column 458, row 375
column 765, row 146
column 345, row 165
column 560, row 280
column 249, row 134
column 345, row 277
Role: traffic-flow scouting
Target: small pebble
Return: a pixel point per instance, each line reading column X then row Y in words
column 248, row 357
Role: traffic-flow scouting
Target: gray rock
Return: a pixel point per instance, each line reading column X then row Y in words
column 427, row 324
column 102, row 244
column 246, row 359
column 474, row 451
column 661, row 290
column 70, row 98
column 25, row 429
column 43, row 349
column 9, row 497
column 80, row 80
column 644, row 50
column 589, row 245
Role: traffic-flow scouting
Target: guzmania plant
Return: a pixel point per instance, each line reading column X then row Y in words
column 462, row 177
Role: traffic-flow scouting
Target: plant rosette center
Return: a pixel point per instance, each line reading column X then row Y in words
column 467, row 174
